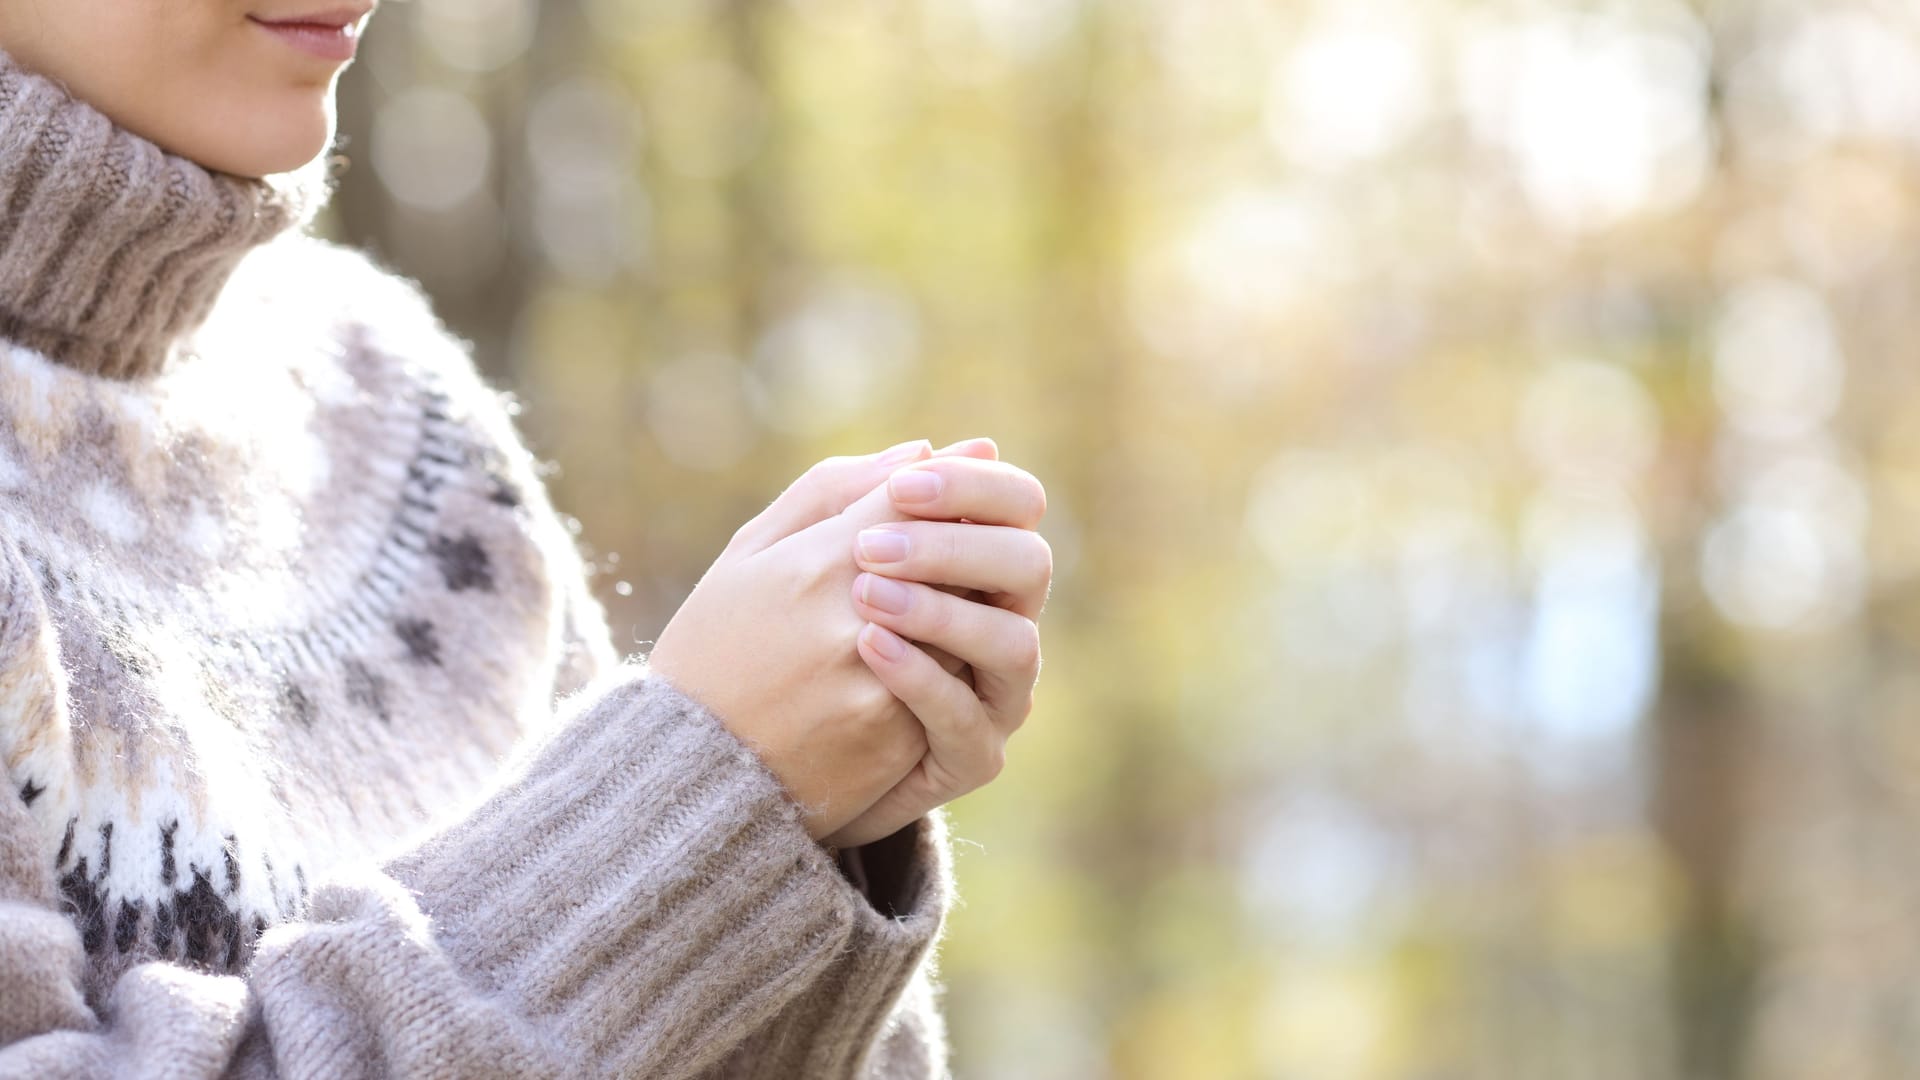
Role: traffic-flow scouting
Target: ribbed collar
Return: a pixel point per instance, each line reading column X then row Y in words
column 111, row 249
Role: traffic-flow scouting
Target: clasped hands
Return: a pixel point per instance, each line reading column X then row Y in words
column 872, row 634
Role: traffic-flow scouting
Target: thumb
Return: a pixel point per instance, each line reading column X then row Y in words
column 875, row 506
column 823, row 491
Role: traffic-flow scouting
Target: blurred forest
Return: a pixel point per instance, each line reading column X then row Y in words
column 1485, row 497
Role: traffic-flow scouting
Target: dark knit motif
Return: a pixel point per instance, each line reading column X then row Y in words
column 195, row 919
column 463, row 563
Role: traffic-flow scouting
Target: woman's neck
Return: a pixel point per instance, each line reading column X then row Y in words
column 111, row 250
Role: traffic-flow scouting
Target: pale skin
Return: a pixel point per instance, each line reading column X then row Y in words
column 872, row 634
column 800, row 635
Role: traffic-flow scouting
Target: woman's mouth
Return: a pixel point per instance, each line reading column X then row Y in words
column 329, row 35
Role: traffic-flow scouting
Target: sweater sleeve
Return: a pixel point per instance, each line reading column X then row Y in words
column 904, row 876
column 899, row 875
column 642, row 900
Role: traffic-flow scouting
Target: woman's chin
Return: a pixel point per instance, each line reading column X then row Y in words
column 255, row 141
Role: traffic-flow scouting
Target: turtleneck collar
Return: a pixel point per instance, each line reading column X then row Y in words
column 111, row 249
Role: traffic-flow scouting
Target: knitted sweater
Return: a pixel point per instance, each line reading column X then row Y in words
column 320, row 761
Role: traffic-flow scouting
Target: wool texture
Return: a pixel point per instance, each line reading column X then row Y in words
column 321, row 762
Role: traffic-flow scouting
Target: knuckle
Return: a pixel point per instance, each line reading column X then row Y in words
column 807, row 575
column 936, row 610
column 950, row 549
column 1035, row 495
column 1017, row 716
column 810, row 479
column 1024, row 650
column 1042, row 559
column 995, row 763
column 824, row 470
column 872, row 703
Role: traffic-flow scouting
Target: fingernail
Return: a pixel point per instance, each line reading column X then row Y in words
column 914, row 486
column 882, row 545
column 885, row 642
column 965, row 445
column 886, row 594
column 906, row 451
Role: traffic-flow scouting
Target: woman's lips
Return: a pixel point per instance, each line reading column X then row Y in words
column 330, row 35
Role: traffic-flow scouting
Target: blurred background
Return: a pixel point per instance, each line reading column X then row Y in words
column 1484, row 489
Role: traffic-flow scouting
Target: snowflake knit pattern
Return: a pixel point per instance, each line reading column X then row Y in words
column 321, row 760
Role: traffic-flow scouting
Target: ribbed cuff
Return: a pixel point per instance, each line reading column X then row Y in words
column 908, row 879
column 647, row 894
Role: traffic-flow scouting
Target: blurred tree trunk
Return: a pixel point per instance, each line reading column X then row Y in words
column 1709, row 735
column 1705, row 748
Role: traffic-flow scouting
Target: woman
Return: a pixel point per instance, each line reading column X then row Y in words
column 279, row 591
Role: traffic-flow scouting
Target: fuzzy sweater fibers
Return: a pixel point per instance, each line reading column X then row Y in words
column 319, row 760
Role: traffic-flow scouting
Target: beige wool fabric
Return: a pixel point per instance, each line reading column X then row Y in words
column 320, row 760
